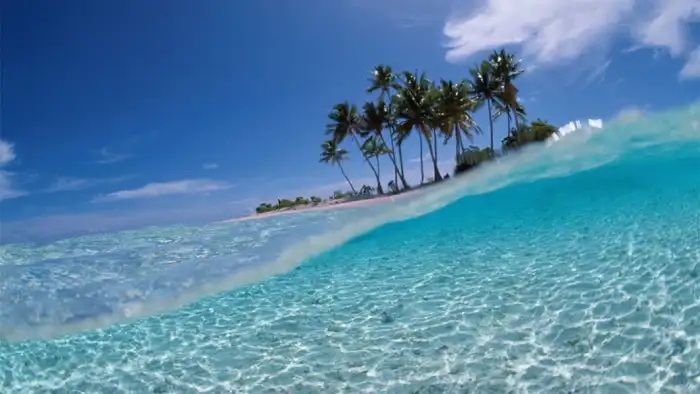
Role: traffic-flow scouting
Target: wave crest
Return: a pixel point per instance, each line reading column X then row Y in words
column 30, row 316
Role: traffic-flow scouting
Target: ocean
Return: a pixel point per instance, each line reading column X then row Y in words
column 573, row 268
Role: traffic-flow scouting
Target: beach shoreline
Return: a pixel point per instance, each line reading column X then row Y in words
column 324, row 206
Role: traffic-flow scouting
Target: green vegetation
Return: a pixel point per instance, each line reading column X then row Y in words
column 409, row 105
column 537, row 131
column 285, row 203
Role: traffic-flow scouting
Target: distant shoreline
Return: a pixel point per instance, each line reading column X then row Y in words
column 323, row 206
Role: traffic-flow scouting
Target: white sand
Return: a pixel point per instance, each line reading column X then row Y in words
column 319, row 207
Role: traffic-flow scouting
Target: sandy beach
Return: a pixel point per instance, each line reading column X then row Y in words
column 324, row 206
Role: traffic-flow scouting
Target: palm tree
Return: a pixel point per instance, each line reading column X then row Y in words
column 347, row 123
column 503, row 110
column 397, row 138
column 400, row 136
column 374, row 118
column 434, row 120
column 331, row 153
column 506, row 69
column 485, row 87
column 372, row 147
column 453, row 107
column 384, row 80
column 415, row 111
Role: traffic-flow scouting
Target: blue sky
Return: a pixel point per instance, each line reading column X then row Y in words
column 124, row 114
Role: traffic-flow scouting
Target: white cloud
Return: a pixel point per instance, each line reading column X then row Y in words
column 66, row 184
column 70, row 184
column 552, row 31
column 691, row 69
column 56, row 226
column 108, row 157
column 188, row 186
column 210, row 166
column 7, row 153
column 666, row 26
column 597, row 75
column 7, row 190
column 426, row 159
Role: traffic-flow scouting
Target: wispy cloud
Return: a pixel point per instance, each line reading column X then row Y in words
column 554, row 31
column 64, row 184
column 105, row 156
column 426, row 159
column 691, row 69
column 210, row 166
column 7, row 189
column 405, row 13
column 187, row 186
column 7, row 152
column 597, row 75
column 55, row 226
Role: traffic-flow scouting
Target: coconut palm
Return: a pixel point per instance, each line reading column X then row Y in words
column 346, row 122
column 397, row 138
column 331, row 153
column 485, row 87
column 400, row 136
column 375, row 117
column 415, row 111
column 384, row 80
column 453, row 107
column 374, row 147
column 506, row 69
column 501, row 109
column 434, row 120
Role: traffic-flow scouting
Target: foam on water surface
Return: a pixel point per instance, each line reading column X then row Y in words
column 574, row 268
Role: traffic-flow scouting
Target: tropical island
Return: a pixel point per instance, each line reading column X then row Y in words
column 409, row 105
column 312, row 201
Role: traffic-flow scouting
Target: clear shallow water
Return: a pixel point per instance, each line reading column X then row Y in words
column 570, row 269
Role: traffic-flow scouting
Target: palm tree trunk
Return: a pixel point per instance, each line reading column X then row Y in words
column 435, row 143
column 401, row 160
column 508, row 115
column 514, row 90
column 393, row 161
column 488, row 101
column 436, row 170
column 346, row 178
column 458, row 144
column 422, row 174
column 392, row 156
column 379, row 184
column 379, row 176
column 359, row 147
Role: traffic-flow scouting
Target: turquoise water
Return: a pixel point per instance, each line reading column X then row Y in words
column 571, row 269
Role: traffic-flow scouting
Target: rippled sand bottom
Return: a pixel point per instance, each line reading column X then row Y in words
column 604, row 298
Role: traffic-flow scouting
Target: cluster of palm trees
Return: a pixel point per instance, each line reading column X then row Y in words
column 408, row 104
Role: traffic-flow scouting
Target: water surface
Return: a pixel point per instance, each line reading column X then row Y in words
column 574, row 268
